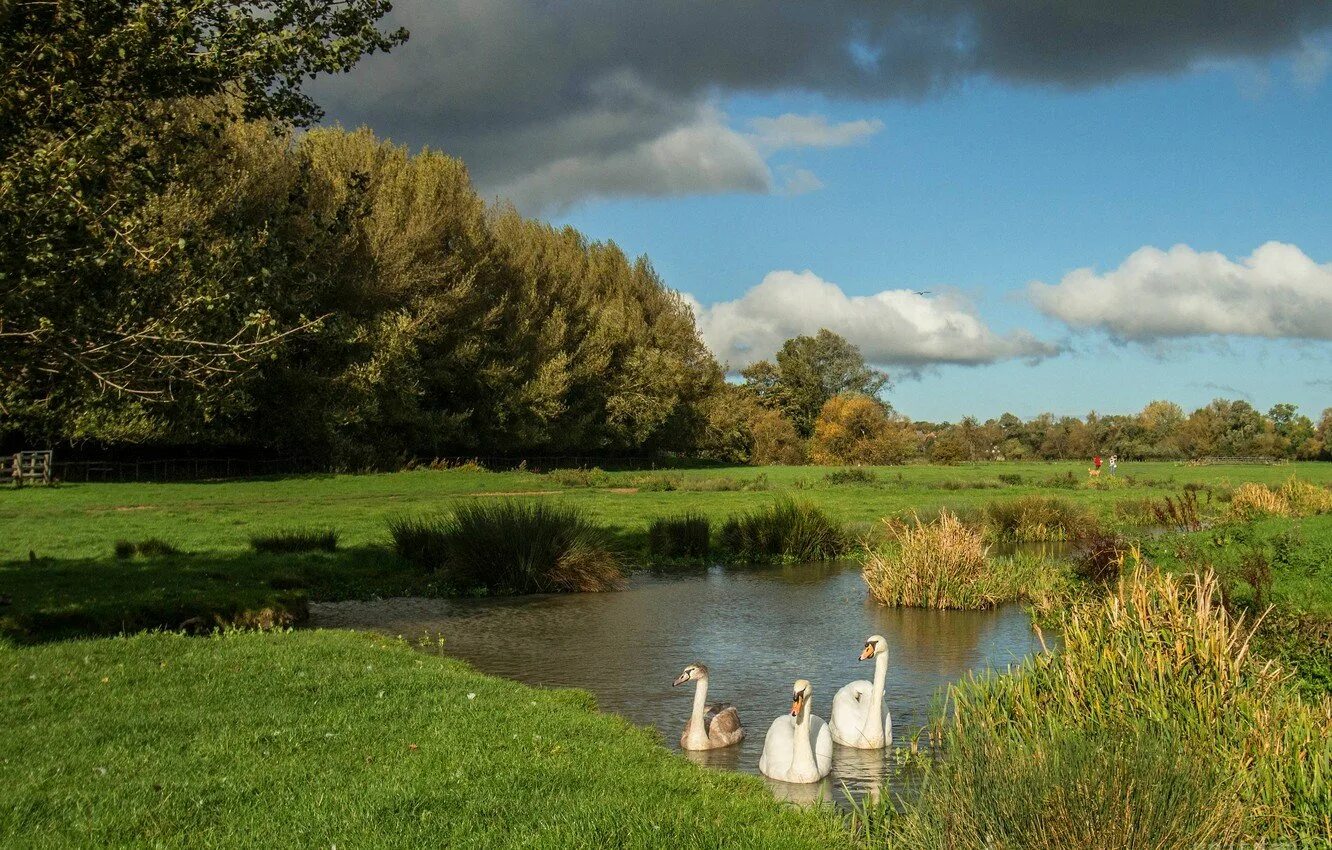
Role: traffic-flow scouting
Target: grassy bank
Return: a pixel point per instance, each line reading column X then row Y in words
column 317, row 739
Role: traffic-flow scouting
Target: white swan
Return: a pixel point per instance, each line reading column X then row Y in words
column 719, row 727
column 798, row 747
column 858, row 717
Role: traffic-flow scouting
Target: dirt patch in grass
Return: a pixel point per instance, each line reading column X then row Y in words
column 516, row 493
column 623, row 491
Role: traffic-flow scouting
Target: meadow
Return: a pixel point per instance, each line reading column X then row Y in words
column 259, row 734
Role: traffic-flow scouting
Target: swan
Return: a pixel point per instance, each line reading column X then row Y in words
column 858, row 716
column 798, row 747
column 719, row 727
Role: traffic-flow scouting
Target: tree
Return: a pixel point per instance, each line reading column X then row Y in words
column 854, row 428
column 809, row 371
column 104, row 107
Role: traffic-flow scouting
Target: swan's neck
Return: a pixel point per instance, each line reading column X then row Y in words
column 804, row 744
column 876, row 692
column 696, row 730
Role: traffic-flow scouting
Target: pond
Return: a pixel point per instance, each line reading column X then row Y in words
column 758, row 630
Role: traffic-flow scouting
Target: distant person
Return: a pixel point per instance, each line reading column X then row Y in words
column 1114, row 463
column 1096, row 462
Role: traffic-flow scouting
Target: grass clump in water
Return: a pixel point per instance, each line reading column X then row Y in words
column 786, row 530
column 1037, row 519
column 1160, row 656
column 296, row 540
column 511, row 546
column 940, row 564
column 685, row 536
column 1252, row 501
column 945, row 563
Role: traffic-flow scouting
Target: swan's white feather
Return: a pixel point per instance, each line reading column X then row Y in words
column 850, row 717
column 778, row 758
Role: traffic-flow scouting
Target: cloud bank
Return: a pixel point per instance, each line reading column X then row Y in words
column 530, row 91
column 1276, row 292
column 892, row 328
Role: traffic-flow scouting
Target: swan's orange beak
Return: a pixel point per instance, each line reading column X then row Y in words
column 867, row 653
column 795, row 704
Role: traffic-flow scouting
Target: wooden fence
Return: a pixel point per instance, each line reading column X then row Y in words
column 27, row 467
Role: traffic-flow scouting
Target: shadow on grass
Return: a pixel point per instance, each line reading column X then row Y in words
column 54, row 599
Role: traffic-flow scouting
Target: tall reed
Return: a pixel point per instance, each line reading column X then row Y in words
column 940, row 564
column 1036, row 518
column 1161, row 655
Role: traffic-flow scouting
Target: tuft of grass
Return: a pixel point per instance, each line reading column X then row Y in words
column 1037, row 518
column 854, row 475
column 1161, row 655
column 685, row 536
column 511, row 546
column 153, row 547
column 296, row 540
column 1251, row 501
column 1179, row 514
column 786, row 530
column 941, row 564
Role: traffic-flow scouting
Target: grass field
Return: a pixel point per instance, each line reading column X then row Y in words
column 323, row 739
column 319, row 738
column 84, row 520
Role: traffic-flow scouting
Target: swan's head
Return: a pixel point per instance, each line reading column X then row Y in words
column 800, row 692
column 691, row 673
column 874, row 645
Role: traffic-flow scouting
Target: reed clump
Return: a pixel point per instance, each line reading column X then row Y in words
column 1303, row 498
column 688, row 535
column 153, row 547
column 937, row 564
column 786, row 530
column 1036, row 519
column 511, row 546
column 296, row 540
column 1161, row 656
column 1252, row 500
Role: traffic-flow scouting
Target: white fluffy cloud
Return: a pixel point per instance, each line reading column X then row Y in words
column 896, row 327
column 1275, row 292
column 705, row 156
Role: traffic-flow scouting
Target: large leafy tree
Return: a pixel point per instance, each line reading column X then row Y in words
column 809, row 371
column 105, row 106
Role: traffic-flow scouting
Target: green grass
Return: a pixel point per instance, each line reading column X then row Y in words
column 83, row 520
column 320, row 739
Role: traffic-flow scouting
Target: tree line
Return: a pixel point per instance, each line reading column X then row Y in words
column 184, row 262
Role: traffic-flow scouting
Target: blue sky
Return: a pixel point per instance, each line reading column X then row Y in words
column 985, row 189
column 790, row 166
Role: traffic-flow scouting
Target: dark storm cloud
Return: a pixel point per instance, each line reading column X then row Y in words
column 537, row 90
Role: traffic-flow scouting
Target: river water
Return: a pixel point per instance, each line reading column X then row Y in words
column 758, row 630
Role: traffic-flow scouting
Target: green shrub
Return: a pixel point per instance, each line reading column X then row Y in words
column 724, row 484
column 511, row 546
column 296, row 540
column 684, row 536
column 785, row 530
column 1075, row 789
column 657, row 483
column 1037, row 518
column 1012, row 479
column 1068, row 481
column 855, row 475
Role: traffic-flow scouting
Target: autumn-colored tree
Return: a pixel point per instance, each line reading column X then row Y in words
column 853, row 428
